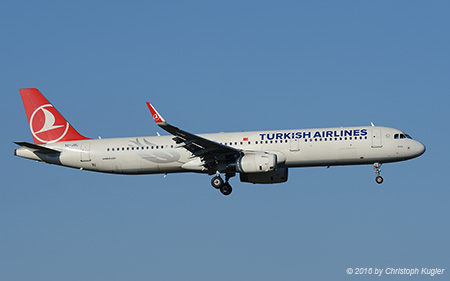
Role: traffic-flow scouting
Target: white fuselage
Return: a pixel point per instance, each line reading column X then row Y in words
column 294, row 148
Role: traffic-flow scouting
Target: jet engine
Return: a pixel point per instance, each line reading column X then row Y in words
column 256, row 162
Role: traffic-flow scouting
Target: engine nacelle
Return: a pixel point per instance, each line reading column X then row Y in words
column 256, row 162
column 278, row 176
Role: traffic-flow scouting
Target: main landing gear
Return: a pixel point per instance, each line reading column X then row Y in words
column 378, row 179
column 224, row 187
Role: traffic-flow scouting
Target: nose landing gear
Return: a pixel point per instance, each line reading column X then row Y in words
column 224, row 187
column 377, row 166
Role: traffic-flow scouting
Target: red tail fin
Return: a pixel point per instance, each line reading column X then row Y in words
column 47, row 125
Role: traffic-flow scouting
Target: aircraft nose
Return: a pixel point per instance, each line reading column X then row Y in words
column 420, row 148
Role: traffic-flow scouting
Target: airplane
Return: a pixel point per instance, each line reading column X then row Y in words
column 260, row 157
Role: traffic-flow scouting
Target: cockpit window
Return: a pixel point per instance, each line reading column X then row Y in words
column 402, row 136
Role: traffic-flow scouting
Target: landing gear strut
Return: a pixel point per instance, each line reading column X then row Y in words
column 378, row 179
column 224, row 187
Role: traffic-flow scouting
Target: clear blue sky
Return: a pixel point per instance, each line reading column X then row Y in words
column 212, row 66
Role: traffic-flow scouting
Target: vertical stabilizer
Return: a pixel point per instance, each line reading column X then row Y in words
column 47, row 125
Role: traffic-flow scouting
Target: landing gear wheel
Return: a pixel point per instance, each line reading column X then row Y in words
column 379, row 179
column 226, row 189
column 217, row 182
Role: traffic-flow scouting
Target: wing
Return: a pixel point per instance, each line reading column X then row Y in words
column 211, row 152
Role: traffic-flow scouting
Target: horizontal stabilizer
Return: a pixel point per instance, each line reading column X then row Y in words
column 35, row 147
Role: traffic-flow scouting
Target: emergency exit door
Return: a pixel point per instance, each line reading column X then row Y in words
column 294, row 145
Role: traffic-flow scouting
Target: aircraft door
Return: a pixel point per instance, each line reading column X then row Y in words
column 376, row 138
column 85, row 152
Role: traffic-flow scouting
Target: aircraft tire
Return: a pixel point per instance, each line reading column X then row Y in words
column 226, row 189
column 379, row 179
column 217, row 182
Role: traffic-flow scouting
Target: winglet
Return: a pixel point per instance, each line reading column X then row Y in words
column 156, row 116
